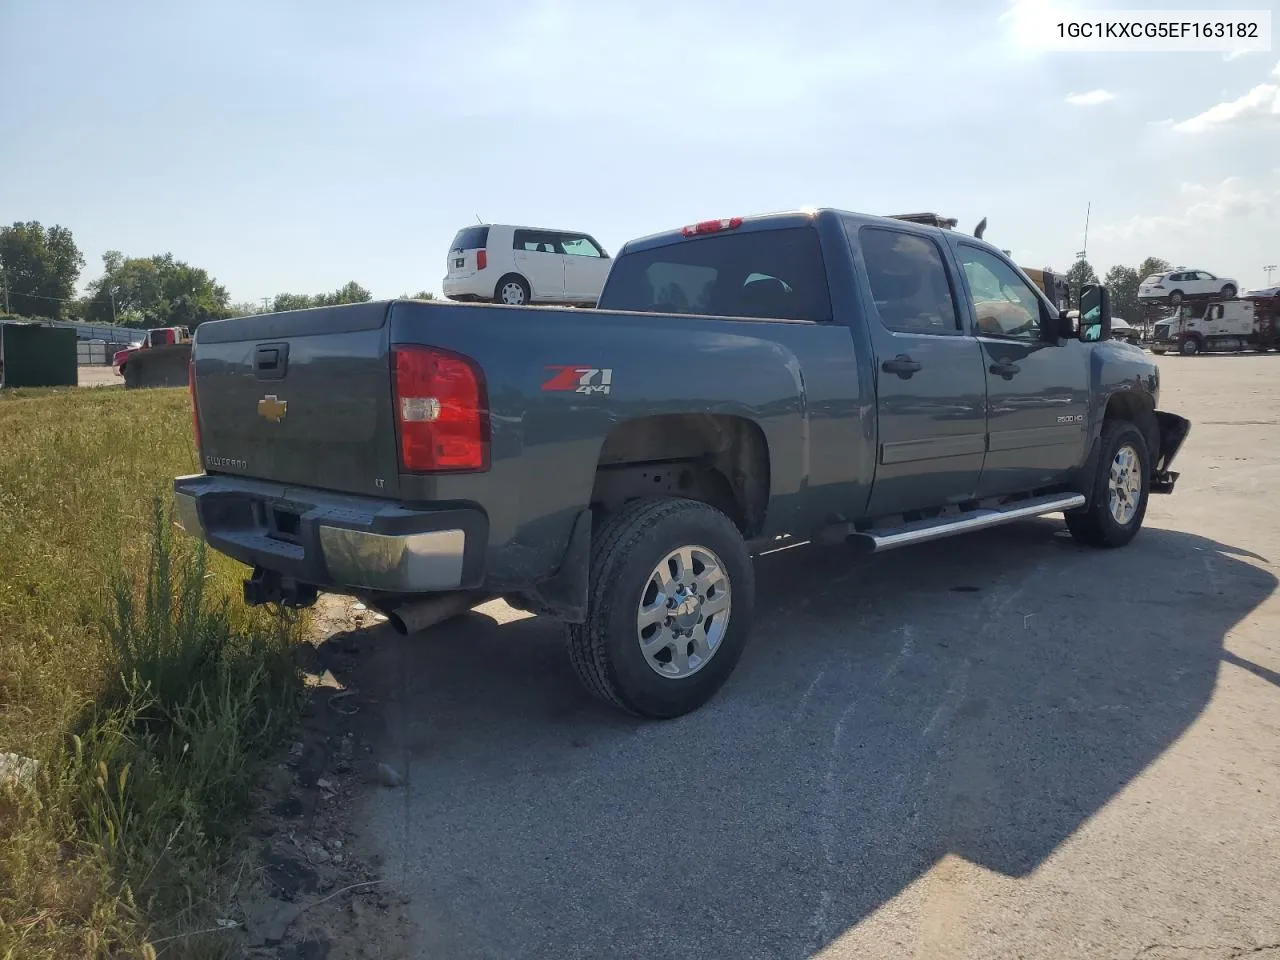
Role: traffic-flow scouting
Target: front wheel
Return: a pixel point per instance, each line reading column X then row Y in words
column 1190, row 347
column 1121, row 485
column 670, row 607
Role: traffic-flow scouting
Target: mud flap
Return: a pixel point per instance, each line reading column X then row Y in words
column 1173, row 431
column 564, row 594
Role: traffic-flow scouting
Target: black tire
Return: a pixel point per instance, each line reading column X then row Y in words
column 516, row 280
column 1189, row 347
column 1228, row 291
column 1175, row 297
column 1094, row 523
column 626, row 549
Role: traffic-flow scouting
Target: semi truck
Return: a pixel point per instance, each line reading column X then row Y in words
column 1220, row 326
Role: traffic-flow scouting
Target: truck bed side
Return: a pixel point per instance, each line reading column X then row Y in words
column 640, row 397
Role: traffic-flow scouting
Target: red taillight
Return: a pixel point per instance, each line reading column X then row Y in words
column 441, row 411
column 482, row 259
column 712, row 226
column 195, row 410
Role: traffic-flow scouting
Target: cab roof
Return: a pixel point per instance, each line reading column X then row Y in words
column 804, row 217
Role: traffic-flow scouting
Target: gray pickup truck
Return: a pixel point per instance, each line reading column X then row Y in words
column 745, row 384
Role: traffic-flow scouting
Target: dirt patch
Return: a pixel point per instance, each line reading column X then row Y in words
column 315, row 893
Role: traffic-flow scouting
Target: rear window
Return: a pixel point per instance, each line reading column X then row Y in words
column 773, row 274
column 1153, row 278
column 471, row 238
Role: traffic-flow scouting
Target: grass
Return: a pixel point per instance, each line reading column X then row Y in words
column 130, row 670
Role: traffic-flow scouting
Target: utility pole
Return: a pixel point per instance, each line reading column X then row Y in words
column 5, row 277
column 111, row 292
column 1269, row 268
column 265, row 302
column 1085, row 249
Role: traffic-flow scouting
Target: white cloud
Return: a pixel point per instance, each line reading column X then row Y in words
column 1276, row 71
column 1030, row 23
column 1223, row 206
column 1261, row 104
column 1237, row 54
column 1090, row 99
column 1217, row 226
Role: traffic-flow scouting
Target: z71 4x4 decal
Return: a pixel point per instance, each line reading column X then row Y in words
column 580, row 380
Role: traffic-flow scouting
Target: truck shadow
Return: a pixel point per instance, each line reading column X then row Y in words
column 982, row 697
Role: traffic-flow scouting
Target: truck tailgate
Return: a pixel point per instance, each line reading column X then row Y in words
column 302, row 397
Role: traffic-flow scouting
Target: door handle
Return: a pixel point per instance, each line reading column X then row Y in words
column 270, row 360
column 1004, row 369
column 902, row 365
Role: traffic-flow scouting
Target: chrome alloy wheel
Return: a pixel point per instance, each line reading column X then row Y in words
column 683, row 612
column 1124, row 486
column 512, row 293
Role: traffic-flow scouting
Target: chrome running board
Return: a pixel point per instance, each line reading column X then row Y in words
column 935, row 528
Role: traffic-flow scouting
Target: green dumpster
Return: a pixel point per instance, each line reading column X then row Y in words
column 33, row 355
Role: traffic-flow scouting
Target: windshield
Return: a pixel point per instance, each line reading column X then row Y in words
column 776, row 274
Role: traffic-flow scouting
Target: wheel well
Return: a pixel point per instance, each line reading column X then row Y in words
column 1140, row 409
column 717, row 459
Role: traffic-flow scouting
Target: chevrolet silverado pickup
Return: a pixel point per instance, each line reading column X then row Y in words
column 744, row 384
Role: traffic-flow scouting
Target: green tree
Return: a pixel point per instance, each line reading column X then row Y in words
column 1152, row 265
column 420, row 295
column 1123, row 282
column 156, row 291
column 292, row 301
column 40, row 267
column 1079, row 274
column 350, row 292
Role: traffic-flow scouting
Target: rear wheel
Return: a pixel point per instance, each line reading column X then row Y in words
column 512, row 290
column 1175, row 298
column 1121, row 485
column 1229, row 290
column 670, row 607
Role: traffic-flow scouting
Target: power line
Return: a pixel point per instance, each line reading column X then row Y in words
column 40, row 296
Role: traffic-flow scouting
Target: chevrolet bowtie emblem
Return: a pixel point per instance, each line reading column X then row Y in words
column 273, row 408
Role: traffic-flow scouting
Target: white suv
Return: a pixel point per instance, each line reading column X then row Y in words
column 1180, row 283
column 516, row 265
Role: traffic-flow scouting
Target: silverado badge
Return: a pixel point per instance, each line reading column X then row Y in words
column 273, row 408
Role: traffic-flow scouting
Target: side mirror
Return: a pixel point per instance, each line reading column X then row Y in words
column 1095, row 313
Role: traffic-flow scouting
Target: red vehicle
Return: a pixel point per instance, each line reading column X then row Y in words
column 159, row 336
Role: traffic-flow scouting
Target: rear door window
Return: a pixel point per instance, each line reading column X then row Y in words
column 909, row 282
column 766, row 274
column 535, row 241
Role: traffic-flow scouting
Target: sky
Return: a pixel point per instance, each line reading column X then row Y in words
column 293, row 146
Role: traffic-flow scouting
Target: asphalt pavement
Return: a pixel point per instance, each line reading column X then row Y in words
column 999, row 745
